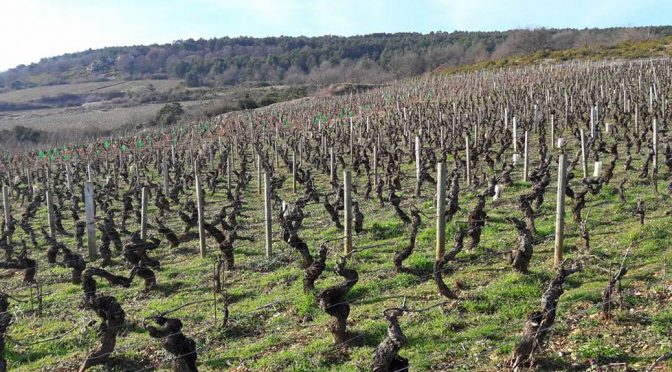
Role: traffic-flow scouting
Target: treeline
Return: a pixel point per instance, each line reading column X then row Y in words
column 326, row 59
column 21, row 136
column 20, row 133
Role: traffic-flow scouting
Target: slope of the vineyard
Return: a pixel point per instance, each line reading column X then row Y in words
column 274, row 325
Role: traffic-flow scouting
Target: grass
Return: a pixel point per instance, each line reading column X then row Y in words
column 273, row 325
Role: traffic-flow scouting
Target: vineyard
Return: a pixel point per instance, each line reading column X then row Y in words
column 496, row 220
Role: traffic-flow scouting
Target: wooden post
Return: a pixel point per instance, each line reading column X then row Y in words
column 466, row 139
column 294, row 170
column 166, row 181
column 90, row 220
column 332, row 176
column 552, row 130
column 201, row 229
column 259, row 174
column 50, row 214
column 592, row 122
column 267, row 213
column 417, row 158
column 228, row 173
column 211, row 157
column 560, row 210
column 375, row 167
column 597, row 170
column 347, row 216
column 655, row 145
column 440, row 210
column 143, row 215
column 234, row 148
column 352, row 154
column 514, row 127
column 441, row 138
column 136, row 166
column 7, row 209
column 584, row 162
column 506, row 118
column 275, row 153
column 526, row 163
column 68, row 180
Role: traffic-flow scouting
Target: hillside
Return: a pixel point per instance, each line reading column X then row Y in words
column 327, row 59
column 622, row 51
column 496, row 297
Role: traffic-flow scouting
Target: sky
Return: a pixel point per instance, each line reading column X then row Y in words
column 33, row 29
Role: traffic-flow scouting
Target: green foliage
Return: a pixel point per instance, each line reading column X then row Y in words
column 599, row 350
column 168, row 114
column 192, row 79
column 330, row 59
column 662, row 322
column 386, row 230
column 247, row 103
column 25, row 134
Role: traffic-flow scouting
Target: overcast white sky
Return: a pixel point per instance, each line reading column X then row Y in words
column 32, row 29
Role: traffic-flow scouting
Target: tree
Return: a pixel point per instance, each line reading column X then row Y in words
column 247, row 103
column 169, row 114
column 192, row 79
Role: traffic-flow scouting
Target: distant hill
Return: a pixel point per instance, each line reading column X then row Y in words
column 317, row 60
column 632, row 49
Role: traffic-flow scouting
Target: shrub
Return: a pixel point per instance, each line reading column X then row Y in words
column 168, row 114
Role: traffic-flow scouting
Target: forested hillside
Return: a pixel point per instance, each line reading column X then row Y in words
column 323, row 60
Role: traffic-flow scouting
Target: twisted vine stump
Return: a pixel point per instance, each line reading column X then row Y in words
column 333, row 213
column 7, row 213
column 453, row 197
column 7, row 247
column 135, row 251
column 403, row 254
column 71, row 260
column 5, row 322
column 332, row 301
column 167, row 232
column 111, row 315
column 225, row 242
column 169, row 330
column 584, row 234
column 358, row 217
column 476, row 222
column 520, row 258
column 386, row 356
column 640, row 211
column 443, row 260
column 313, row 272
column 395, row 200
column 146, row 274
column 291, row 219
column 539, row 323
column 22, row 262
